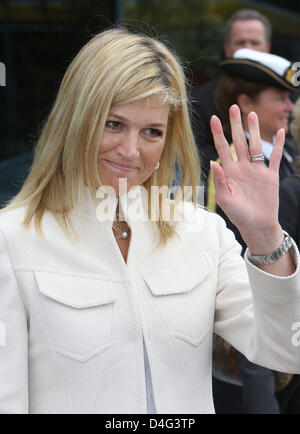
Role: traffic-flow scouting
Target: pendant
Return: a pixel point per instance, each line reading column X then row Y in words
column 124, row 235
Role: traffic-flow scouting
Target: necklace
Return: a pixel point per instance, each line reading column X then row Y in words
column 122, row 234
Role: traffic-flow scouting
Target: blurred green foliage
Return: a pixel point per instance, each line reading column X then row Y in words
column 196, row 37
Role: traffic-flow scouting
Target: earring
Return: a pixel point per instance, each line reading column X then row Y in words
column 157, row 166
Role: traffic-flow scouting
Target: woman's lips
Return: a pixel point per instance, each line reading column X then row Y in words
column 121, row 167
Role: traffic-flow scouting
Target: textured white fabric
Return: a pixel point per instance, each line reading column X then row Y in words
column 76, row 314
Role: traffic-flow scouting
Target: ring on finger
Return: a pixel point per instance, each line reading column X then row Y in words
column 257, row 157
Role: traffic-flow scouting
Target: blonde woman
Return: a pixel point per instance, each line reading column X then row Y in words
column 108, row 303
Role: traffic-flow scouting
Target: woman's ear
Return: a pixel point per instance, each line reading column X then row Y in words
column 245, row 103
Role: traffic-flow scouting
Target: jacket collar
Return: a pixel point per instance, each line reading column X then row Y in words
column 102, row 208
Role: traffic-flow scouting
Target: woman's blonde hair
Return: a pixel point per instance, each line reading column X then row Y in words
column 115, row 67
column 295, row 129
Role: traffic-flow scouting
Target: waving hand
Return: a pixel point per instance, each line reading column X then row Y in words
column 246, row 190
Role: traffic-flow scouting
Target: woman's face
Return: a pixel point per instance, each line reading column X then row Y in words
column 273, row 107
column 133, row 141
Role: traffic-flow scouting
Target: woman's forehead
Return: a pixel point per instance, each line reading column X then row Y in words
column 154, row 106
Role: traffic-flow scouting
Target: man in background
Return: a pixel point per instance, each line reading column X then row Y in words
column 246, row 28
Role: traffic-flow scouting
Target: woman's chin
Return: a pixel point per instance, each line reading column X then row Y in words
column 117, row 186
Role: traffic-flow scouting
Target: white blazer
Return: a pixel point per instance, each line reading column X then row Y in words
column 75, row 315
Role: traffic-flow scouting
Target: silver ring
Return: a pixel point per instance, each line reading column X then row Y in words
column 258, row 157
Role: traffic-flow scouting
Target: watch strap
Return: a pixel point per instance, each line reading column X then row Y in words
column 268, row 258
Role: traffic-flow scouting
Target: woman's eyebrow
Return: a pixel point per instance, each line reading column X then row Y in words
column 123, row 118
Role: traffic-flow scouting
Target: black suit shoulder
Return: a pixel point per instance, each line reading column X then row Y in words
column 289, row 206
column 206, row 89
column 203, row 107
column 203, row 100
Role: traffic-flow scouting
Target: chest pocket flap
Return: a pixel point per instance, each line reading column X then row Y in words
column 75, row 291
column 184, row 296
column 78, row 312
column 180, row 276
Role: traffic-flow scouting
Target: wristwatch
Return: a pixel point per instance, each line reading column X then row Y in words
column 268, row 258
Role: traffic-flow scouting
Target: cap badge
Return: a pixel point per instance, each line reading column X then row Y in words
column 289, row 75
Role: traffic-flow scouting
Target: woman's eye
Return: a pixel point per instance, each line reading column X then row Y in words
column 114, row 125
column 153, row 132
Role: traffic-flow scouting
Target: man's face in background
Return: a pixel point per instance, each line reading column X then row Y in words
column 246, row 34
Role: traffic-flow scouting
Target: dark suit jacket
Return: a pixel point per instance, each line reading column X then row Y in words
column 289, row 206
column 203, row 107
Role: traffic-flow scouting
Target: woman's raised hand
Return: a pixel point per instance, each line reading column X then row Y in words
column 248, row 191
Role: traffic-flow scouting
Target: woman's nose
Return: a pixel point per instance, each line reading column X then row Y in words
column 129, row 145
